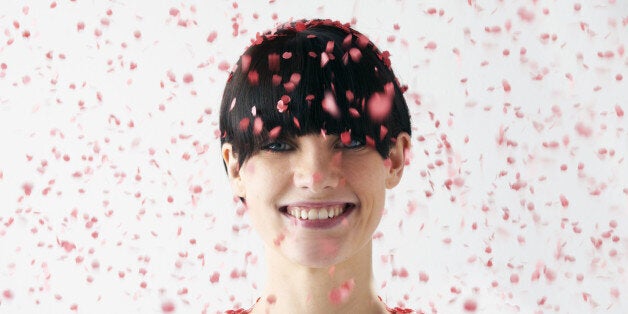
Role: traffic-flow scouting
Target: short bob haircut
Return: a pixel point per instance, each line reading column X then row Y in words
column 312, row 77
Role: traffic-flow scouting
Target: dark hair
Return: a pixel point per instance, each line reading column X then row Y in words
column 308, row 77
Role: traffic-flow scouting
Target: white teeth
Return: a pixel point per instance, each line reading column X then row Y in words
column 316, row 213
column 322, row 214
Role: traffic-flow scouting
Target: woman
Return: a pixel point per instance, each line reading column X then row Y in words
column 314, row 130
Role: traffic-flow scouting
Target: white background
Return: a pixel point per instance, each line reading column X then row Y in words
column 113, row 197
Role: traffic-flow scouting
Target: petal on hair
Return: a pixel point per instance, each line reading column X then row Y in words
column 370, row 142
column 346, row 43
column 273, row 62
column 295, row 78
column 355, row 54
column 246, row 61
column 345, row 137
column 349, row 96
column 244, row 124
column 274, row 132
column 354, row 113
column 233, row 102
column 281, row 107
column 330, row 46
column 382, row 132
column 253, row 77
column 362, row 41
column 258, row 124
column 389, row 89
column 329, row 105
column 379, row 105
column 289, row 87
column 324, row 59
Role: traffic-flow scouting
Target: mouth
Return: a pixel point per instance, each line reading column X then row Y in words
column 317, row 212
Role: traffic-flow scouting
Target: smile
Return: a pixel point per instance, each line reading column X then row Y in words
column 317, row 215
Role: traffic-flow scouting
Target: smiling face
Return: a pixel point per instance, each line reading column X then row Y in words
column 314, row 199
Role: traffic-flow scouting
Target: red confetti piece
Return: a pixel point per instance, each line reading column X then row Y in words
column 470, row 305
column 282, row 104
column 430, row 45
column 423, row 277
column 7, row 294
column 245, row 61
column 244, row 124
column 197, row 189
column 253, row 77
column 355, row 54
column 274, row 132
column 273, row 62
column 224, row 66
column 188, row 78
column 379, row 106
column 525, row 15
column 215, row 277
column 345, row 137
column 271, row 299
column 212, row 36
column 258, row 124
column 324, row 59
column 506, row 86
column 167, row 307
column 341, row 294
column 67, row 246
column 583, row 130
column 28, row 188
column 329, row 105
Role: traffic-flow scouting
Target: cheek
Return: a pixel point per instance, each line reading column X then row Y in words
column 366, row 174
column 249, row 168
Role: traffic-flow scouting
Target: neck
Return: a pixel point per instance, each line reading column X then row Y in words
column 346, row 287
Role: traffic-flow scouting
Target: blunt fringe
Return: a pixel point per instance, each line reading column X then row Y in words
column 312, row 77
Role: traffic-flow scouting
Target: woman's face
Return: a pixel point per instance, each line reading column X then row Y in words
column 314, row 177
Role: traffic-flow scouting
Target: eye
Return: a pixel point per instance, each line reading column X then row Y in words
column 353, row 144
column 277, row 147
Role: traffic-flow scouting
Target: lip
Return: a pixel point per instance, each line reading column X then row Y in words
column 318, row 223
column 316, row 204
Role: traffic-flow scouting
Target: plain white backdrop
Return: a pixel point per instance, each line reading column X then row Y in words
column 113, row 197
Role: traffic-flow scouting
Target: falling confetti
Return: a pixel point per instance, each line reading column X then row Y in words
column 113, row 186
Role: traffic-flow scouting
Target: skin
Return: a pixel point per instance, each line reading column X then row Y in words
column 306, row 266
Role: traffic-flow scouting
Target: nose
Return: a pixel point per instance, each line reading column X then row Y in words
column 317, row 169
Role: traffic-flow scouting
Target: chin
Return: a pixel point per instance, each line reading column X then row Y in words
column 323, row 255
